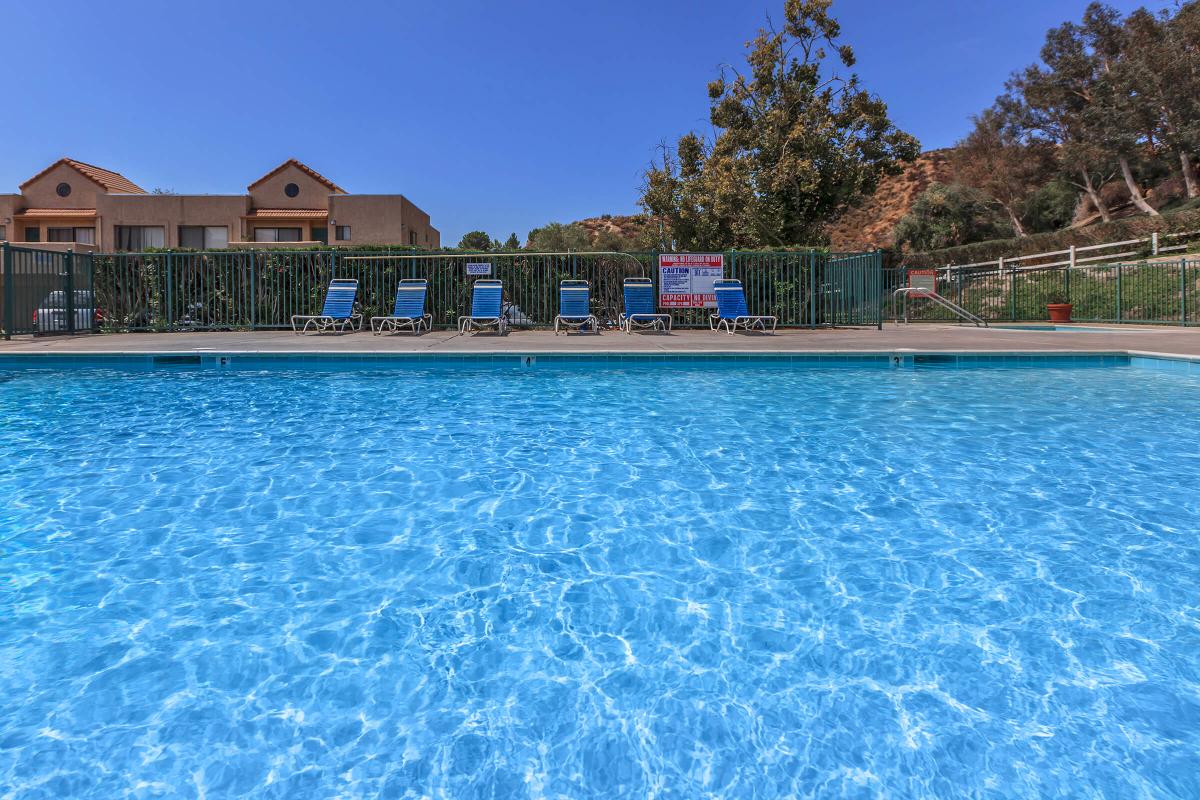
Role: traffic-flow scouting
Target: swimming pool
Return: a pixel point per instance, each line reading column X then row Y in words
column 615, row 582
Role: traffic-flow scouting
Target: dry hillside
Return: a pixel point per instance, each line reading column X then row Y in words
column 870, row 224
column 628, row 227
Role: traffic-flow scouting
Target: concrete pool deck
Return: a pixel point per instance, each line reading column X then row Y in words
column 919, row 338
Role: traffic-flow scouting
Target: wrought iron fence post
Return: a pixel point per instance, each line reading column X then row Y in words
column 169, row 313
column 253, row 291
column 1183, row 291
column 8, row 291
column 69, row 286
column 1120, row 270
column 1012, row 288
column 878, row 288
column 809, row 265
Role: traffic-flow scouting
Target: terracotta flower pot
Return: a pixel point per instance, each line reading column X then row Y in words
column 1059, row 312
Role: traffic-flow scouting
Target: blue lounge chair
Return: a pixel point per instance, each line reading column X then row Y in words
column 486, row 311
column 732, row 313
column 409, row 310
column 640, row 310
column 574, row 299
column 338, row 313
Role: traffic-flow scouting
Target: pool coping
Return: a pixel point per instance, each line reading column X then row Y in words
column 901, row 358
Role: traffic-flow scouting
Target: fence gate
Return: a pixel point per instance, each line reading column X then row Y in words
column 45, row 291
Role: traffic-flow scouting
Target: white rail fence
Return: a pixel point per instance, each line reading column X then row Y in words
column 1160, row 244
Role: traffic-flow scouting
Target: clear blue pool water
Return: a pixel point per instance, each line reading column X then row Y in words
column 703, row 582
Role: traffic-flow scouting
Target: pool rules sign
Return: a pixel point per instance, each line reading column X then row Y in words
column 685, row 280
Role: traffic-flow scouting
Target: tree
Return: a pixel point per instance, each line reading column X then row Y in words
column 795, row 143
column 995, row 161
column 1047, row 104
column 1086, row 100
column 950, row 215
column 555, row 237
column 475, row 240
column 1116, row 116
column 512, row 243
column 1161, row 72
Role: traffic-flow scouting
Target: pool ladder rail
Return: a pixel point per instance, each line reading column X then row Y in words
column 949, row 305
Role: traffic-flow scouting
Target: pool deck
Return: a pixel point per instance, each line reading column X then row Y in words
column 919, row 338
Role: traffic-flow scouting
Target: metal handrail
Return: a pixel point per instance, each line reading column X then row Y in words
column 949, row 305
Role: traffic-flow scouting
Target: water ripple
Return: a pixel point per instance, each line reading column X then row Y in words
column 624, row 583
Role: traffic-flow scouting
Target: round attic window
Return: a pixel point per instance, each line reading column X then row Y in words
column 291, row 190
column 63, row 189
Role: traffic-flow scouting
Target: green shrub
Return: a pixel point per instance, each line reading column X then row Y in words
column 947, row 215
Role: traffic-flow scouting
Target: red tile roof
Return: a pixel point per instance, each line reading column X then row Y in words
column 53, row 213
column 289, row 213
column 291, row 162
column 111, row 181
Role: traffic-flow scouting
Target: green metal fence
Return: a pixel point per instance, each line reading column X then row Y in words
column 1159, row 292
column 45, row 291
column 235, row 289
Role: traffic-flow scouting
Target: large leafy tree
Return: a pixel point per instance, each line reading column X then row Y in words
column 1116, row 115
column 997, row 162
column 1049, row 103
column 795, row 142
column 1112, row 93
column 1160, row 73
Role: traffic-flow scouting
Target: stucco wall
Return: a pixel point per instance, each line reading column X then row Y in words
column 417, row 220
column 9, row 204
column 373, row 218
column 42, row 192
column 270, row 193
column 169, row 212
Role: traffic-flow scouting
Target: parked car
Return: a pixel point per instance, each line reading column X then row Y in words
column 51, row 315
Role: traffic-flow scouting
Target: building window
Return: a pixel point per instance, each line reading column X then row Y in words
column 3, row 233
column 33, row 234
column 204, row 237
column 276, row 234
column 291, row 190
column 320, row 234
column 63, row 189
column 412, row 237
column 140, row 237
column 78, row 235
column 342, row 233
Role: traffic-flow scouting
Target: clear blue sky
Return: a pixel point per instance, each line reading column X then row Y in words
column 500, row 116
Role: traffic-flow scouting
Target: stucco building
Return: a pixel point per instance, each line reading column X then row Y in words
column 73, row 204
